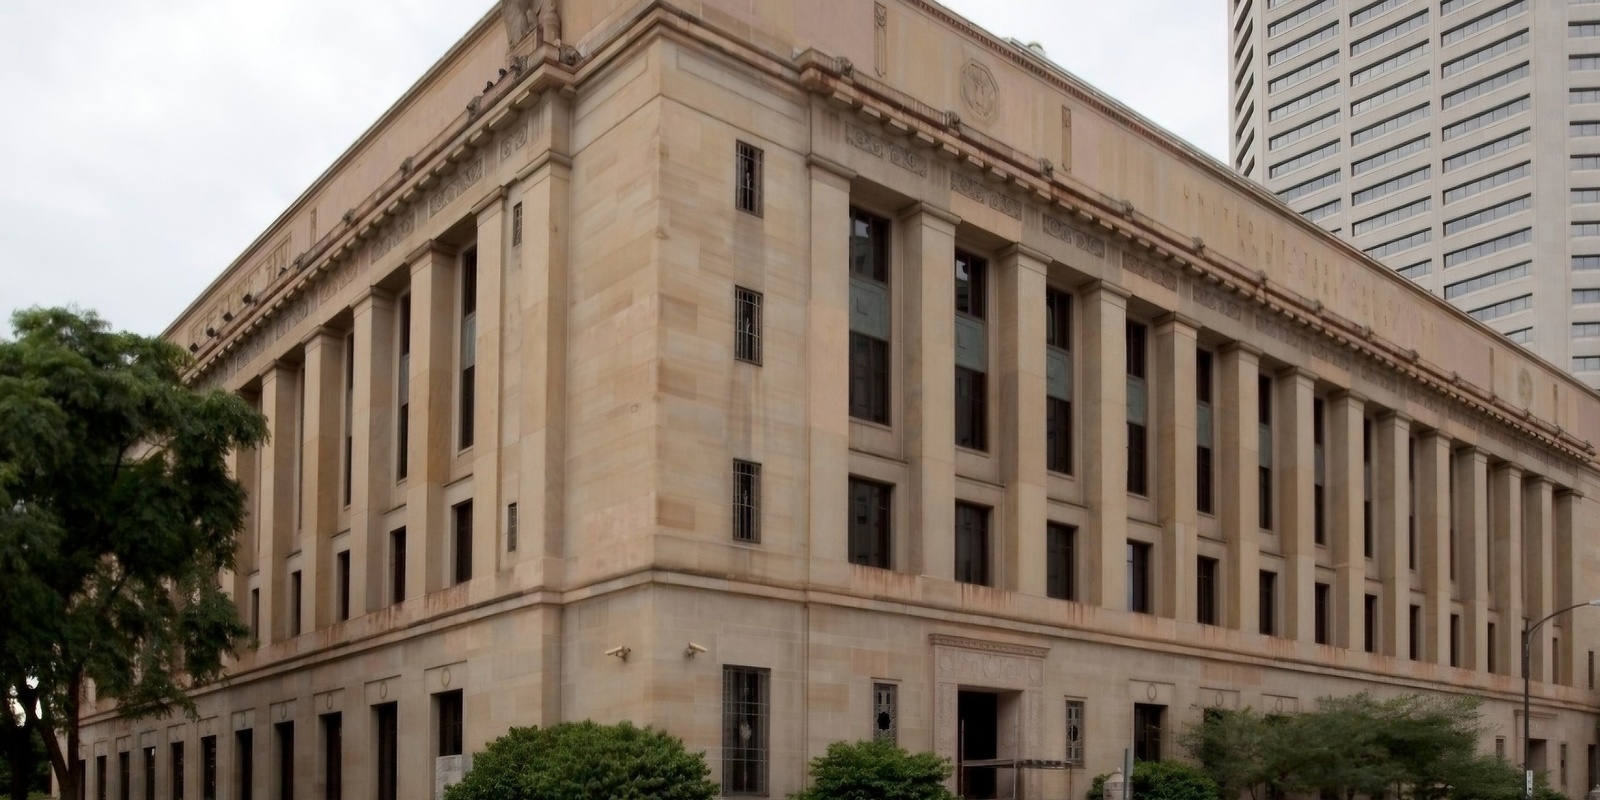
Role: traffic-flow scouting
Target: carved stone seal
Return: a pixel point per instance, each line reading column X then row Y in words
column 979, row 91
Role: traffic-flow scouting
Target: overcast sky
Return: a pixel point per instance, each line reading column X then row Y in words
column 146, row 143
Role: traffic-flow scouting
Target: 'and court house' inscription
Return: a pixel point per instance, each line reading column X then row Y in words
column 975, row 189
column 1066, row 233
column 876, row 145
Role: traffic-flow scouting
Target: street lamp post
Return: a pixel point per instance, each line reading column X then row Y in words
column 1527, row 744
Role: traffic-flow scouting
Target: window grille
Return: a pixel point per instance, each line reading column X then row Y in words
column 885, row 712
column 1075, row 726
column 511, row 527
column 748, row 177
column 747, row 325
column 746, row 501
column 746, row 708
column 516, row 225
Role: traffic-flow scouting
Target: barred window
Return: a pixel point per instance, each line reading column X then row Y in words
column 746, row 709
column 885, row 713
column 1484, row 22
column 747, row 176
column 746, row 501
column 1075, row 729
column 747, row 325
column 1495, row 212
column 1488, row 52
column 511, row 527
column 516, row 225
column 1481, row 249
column 1487, row 182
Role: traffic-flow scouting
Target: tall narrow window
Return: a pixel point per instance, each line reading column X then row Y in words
column 467, row 423
column 255, row 613
column 1058, row 381
column 1369, row 622
column 747, row 325
column 285, row 736
column 1591, row 669
column 100, row 778
column 1414, row 631
column 1204, row 470
column 1411, row 508
column 869, row 523
column 1205, row 607
column 1267, row 600
column 972, row 352
column 1139, row 599
column 402, row 436
column 124, row 776
column 869, row 317
column 745, row 711
column 1147, row 725
column 386, row 722
column 149, row 773
column 462, row 514
column 208, row 768
column 511, row 527
column 397, row 565
column 341, row 584
column 516, row 225
column 885, row 712
column 747, row 178
column 333, row 756
column 175, row 770
column 1321, row 609
column 1138, row 449
column 349, row 414
column 972, row 543
column 1075, row 730
column 244, row 773
column 1061, row 561
column 1264, row 473
column 296, row 602
column 449, row 710
column 1319, row 471
column 746, row 501
column 1489, row 666
column 1455, row 640
column 1555, row 660
column 1367, row 543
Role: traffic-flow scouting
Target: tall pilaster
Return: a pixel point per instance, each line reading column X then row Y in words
column 372, row 422
column 1568, row 533
column 1506, row 549
column 1175, row 421
column 488, row 512
column 432, row 417
column 1293, row 430
column 828, row 375
column 1472, row 555
column 1538, row 568
column 1345, row 486
column 1239, row 496
column 322, row 466
column 1391, row 521
column 929, row 407
column 1022, row 416
column 1433, row 540
column 1105, row 428
column 280, row 403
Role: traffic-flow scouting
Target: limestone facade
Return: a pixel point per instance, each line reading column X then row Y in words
column 836, row 369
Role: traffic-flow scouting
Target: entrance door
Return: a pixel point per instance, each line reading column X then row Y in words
column 977, row 739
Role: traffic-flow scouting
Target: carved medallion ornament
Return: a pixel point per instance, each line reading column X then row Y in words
column 979, row 91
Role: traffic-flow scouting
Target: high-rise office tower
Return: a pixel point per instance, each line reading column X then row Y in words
column 1458, row 142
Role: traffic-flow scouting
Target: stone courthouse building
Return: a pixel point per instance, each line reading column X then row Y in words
column 787, row 372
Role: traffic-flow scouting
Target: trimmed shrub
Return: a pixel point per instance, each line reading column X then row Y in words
column 876, row 770
column 586, row 761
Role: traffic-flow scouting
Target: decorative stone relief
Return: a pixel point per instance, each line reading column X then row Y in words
column 975, row 189
column 980, row 93
column 514, row 141
column 399, row 231
column 1093, row 245
column 901, row 157
column 1218, row 301
column 1162, row 276
column 880, row 37
column 457, row 185
column 1066, row 139
column 959, row 662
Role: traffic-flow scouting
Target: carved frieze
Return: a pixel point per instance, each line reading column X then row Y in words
column 902, row 157
column 975, row 189
column 391, row 238
column 458, row 183
column 1088, row 243
column 513, row 141
column 1161, row 276
column 1218, row 301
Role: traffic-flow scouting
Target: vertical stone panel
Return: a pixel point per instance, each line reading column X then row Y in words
column 433, row 324
column 1293, row 467
column 1105, row 459
column 488, row 518
column 1022, row 336
column 1175, row 441
column 1433, row 539
column 1506, row 549
column 928, row 407
column 1472, row 554
column 1391, row 523
column 1346, row 523
column 1538, row 568
column 322, row 467
column 1238, row 497
column 372, row 424
column 827, row 373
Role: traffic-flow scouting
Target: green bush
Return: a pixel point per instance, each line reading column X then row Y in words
column 1163, row 780
column 586, row 761
column 876, row 770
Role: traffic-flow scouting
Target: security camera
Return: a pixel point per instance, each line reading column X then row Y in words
column 693, row 649
column 620, row 651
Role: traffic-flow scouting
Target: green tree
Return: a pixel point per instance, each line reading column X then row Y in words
column 876, row 770
column 585, row 761
column 1163, row 780
column 117, row 515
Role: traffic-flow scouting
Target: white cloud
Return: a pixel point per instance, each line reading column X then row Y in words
column 148, row 142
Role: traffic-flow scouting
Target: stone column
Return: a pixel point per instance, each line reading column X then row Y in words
column 827, row 366
column 1105, row 452
column 1569, row 535
column 1472, row 554
column 1238, row 495
column 1391, row 524
column 1175, row 424
column 372, row 423
column 1022, row 335
column 1345, row 485
column 243, row 465
column 322, row 467
column 929, row 406
column 280, row 403
column 543, row 300
column 1294, row 462
column 1505, row 546
column 433, row 325
column 488, row 517
column 1433, row 541
column 1538, row 569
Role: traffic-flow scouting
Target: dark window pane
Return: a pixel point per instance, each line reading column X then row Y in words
column 971, row 409
column 745, row 711
column 1061, row 561
column 1139, row 577
column 869, row 523
column 972, row 544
